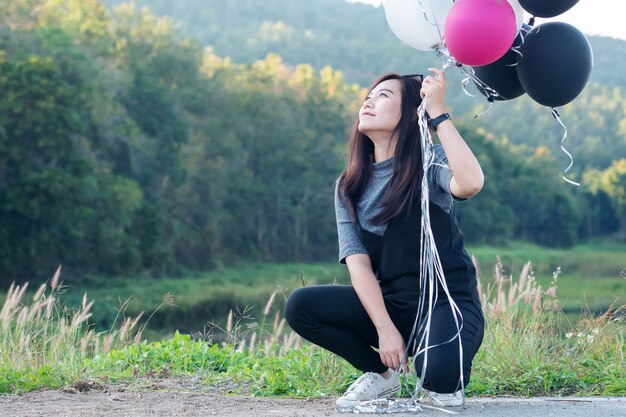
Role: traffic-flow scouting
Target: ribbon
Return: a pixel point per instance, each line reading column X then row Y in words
column 571, row 158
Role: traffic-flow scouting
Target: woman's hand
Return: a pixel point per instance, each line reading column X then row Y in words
column 391, row 348
column 433, row 92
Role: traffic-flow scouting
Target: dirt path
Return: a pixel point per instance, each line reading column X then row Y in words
column 113, row 403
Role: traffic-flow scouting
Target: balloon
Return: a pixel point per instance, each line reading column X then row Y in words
column 555, row 64
column 501, row 75
column 419, row 24
column 547, row 8
column 478, row 32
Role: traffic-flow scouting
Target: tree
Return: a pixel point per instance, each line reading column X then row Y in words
column 612, row 182
column 50, row 175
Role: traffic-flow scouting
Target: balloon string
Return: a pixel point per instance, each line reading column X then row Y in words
column 516, row 49
column 427, row 19
column 471, row 75
column 448, row 61
column 431, row 282
column 571, row 158
column 464, row 84
column 446, row 57
column 490, row 100
column 432, row 277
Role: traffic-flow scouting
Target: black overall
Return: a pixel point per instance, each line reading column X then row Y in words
column 333, row 317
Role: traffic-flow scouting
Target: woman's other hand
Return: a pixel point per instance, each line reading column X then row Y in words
column 433, row 92
column 391, row 348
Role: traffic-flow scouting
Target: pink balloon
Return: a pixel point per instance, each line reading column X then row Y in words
column 479, row 32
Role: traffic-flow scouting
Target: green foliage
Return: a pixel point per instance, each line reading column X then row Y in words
column 323, row 33
column 590, row 282
column 531, row 354
column 126, row 149
column 15, row 381
column 529, row 349
column 353, row 38
column 594, row 122
column 204, row 298
column 516, row 204
column 180, row 353
column 611, row 183
column 303, row 372
column 150, row 155
column 44, row 198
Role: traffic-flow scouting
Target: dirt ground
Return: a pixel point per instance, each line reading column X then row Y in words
column 88, row 399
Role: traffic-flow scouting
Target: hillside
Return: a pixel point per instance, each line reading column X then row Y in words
column 351, row 37
column 355, row 39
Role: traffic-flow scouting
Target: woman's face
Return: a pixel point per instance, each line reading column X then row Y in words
column 381, row 110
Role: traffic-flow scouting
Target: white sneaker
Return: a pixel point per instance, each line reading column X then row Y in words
column 369, row 386
column 454, row 399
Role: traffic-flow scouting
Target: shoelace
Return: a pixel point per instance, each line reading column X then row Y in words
column 358, row 382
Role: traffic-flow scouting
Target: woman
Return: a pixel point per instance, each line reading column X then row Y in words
column 377, row 202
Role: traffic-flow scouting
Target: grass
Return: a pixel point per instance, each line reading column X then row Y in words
column 43, row 343
column 204, row 297
column 592, row 275
column 590, row 280
column 530, row 348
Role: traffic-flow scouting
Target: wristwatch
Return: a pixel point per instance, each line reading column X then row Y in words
column 433, row 123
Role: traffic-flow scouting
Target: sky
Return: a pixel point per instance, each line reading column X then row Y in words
column 592, row 17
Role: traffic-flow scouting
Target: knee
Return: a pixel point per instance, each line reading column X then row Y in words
column 295, row 306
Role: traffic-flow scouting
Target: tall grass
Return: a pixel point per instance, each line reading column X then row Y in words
column 530, row 347
column 45, row 343
column 590, row 280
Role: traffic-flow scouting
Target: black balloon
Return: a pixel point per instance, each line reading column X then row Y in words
column 547, row 8
column 555, row 64
column 501, row 75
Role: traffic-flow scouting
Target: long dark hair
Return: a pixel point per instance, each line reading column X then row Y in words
column 404, row 186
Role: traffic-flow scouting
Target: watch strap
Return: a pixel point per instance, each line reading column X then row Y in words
column 433, row 123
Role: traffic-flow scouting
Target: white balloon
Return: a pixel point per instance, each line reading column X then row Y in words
column 418, row 23
column 519, row 12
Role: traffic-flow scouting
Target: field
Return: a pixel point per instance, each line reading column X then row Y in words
column 591, row 278
column 531, row 348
